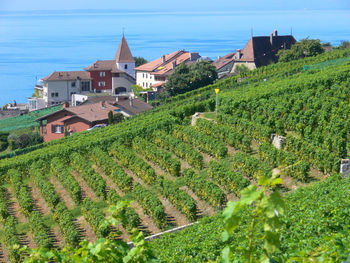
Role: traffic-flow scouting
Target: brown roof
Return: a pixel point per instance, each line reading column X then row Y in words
column 171, row 64
column 123, row 53
column 67, row 75
column 89, row 112
column 137, row 107
column 155, row 64
column 262, row 51
column 104, row 65
column 222, row 61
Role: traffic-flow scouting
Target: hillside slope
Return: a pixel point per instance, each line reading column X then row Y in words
column 177, row 173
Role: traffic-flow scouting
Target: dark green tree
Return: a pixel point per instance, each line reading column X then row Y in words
column 140, row 61
column 110, row 117
column 305, row 48
column 118, row 117
column 186, row 78
column 3, row 140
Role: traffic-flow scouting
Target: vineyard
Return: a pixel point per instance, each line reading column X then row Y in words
column 176, row 173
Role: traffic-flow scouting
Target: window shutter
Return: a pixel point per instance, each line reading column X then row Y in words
column 53, row 128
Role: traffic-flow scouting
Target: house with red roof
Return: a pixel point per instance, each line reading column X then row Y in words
column 74, row 119
column 155, row 73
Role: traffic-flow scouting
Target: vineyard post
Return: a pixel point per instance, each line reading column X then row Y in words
column 217, row 92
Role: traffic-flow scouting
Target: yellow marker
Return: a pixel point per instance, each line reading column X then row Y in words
column 198, row 95
column 217, row 91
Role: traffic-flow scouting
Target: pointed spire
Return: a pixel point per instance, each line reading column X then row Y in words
column 124, row 53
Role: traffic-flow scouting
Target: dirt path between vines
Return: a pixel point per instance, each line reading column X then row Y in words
column 147, row 224
column 62, row 193
column 85, row 189
column 13, row 206
column 174, row 216
column 202, row 207
column 85, row 229
column 40, row 204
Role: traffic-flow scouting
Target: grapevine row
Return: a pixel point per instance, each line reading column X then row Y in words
column 150, row 204
column 112, row 169
column 227, row 134
column 94, row 180
column 180, row 149
column 132, row 219
column 200, row 140
column 95, row 218
column 136, row 164
column 64, row 175
column 250, row 166
column 179, row 198
column 230, row 180
column 204, row 189
column 160, row 157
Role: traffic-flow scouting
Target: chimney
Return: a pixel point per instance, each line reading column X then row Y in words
column 65, row 105
column 275, row 33
column 163, row 59
column 271, row 39
column 131, row 99
column 174, row 64
column 219, row 57
column 102, row 103
column 238, row 53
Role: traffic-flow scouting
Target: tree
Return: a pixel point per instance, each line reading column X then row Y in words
column 186, row 78
column 305, row 48
column 241, row 68
column 118, row 117
column 344, row 45
column 3, row 140
column 110, row 117
column 140, row 61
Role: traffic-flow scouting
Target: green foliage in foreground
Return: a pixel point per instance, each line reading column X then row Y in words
column 261, row 227
column 315, row 223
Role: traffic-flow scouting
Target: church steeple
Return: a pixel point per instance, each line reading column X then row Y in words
column 123, row 54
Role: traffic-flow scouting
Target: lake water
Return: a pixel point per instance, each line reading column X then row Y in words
column 34, row 44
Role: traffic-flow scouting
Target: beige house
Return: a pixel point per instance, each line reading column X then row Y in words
column 155, row 73
column 59, row 86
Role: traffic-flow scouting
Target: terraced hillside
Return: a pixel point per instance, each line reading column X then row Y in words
column 177, row 173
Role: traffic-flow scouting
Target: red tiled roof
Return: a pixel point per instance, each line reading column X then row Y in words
column 90, row 112
column 158, row 84
column 123, row 53
column 165, row 68
column 104, row 65
column 153, row 65
column 67, row 75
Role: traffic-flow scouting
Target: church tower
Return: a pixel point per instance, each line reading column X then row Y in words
column 124, row 58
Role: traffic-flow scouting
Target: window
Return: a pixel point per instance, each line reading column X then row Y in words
column 72, row 93
column 101, row 83
column 73, row 84
column 146, row 84
column 102, row 74
column 125, row 66
column 57, row 128
column 54, row 94
column 143, row 75
column 85, row 85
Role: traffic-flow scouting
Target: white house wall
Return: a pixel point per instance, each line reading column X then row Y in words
column 130, row 68
column 145, row 79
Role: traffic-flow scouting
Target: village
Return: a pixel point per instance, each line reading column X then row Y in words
column 89, row 95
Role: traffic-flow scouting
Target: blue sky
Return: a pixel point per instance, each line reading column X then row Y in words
column 177, row 5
